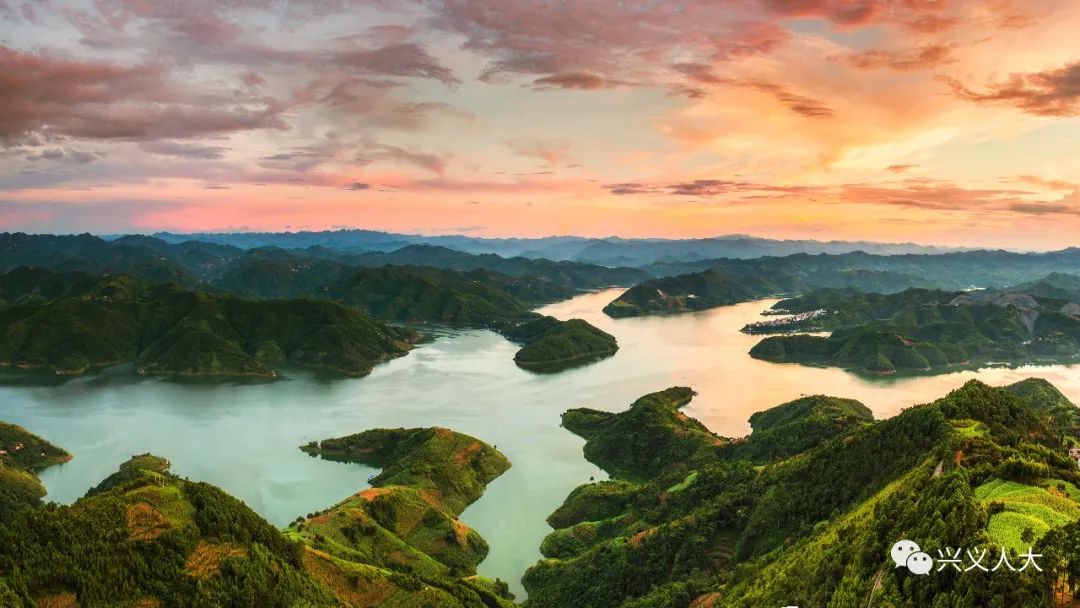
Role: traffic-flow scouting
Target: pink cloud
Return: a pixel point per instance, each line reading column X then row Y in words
column 109, row 101
column 1054, row 92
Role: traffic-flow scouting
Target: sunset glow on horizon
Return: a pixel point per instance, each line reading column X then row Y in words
column 942, row 122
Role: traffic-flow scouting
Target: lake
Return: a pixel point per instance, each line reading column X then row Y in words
column 245, row 437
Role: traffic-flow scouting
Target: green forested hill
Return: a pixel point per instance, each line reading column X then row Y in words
column 699, row 291
column 152, row 540
column 402, row 533
column 895, row 272
column 551, row 345
column 729, row 526
column 166, row 329
column 566, row 274
column 145, row 538
column 22, row 455
column 415, row 284
column 651, row 436
column 920, row 330
column 407, row 294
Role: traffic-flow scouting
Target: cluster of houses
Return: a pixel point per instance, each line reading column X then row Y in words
column 15, row 448
column 788, row 322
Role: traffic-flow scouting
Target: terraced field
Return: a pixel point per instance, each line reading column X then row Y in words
column 1029, row 511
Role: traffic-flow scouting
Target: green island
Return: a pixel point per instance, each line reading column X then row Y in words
column 165, row 329
column 696, row 291
column 805, row 509
column 551, row 345
column 920, row 330
column 146, row 538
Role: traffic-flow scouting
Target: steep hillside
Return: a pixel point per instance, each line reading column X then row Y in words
column 813, row 525
column 406, row 523
column 22, row 455
column 146, row 538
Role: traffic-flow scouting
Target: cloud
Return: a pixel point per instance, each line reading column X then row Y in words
column 912, row 193
column 100, row 100
column 184, row 150
column 596, row 45
column 1048, row 93
column 900, row 168
column 414, row 116
column 66, row 155
column 572, row 80
column 550, row 151
column 841, row 12
column 399, row 59
column 920, row 58
column 358, row 186
column 382, row 152
column 799, row 104
column 626, row 188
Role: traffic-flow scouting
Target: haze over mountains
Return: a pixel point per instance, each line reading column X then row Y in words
column 609, row 251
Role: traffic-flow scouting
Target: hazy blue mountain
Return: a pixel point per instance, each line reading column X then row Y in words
column 608, row 251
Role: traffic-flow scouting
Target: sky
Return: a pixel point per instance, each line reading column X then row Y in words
column 948, row 122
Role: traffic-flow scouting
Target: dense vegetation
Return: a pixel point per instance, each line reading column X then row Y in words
column 145, row 538
column 566, row 274
column 771, row 520
column 152, row 540
column 413, row 284
column 920, row 330
column 406, row 523
column 166, row 329
column 651, row 436
column 475, row 299
column 873, row 272
column 699, row 291
column 553, row 345
column 22, row 455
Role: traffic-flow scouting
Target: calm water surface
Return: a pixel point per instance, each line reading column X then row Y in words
column 244, row 438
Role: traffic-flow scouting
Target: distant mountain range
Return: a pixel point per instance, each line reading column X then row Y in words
column 608, row 251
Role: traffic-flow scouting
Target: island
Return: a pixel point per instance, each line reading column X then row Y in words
column 147, row 538
column 697, row 291
column 920, row 330
column 805, row 509
column 551, row 345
